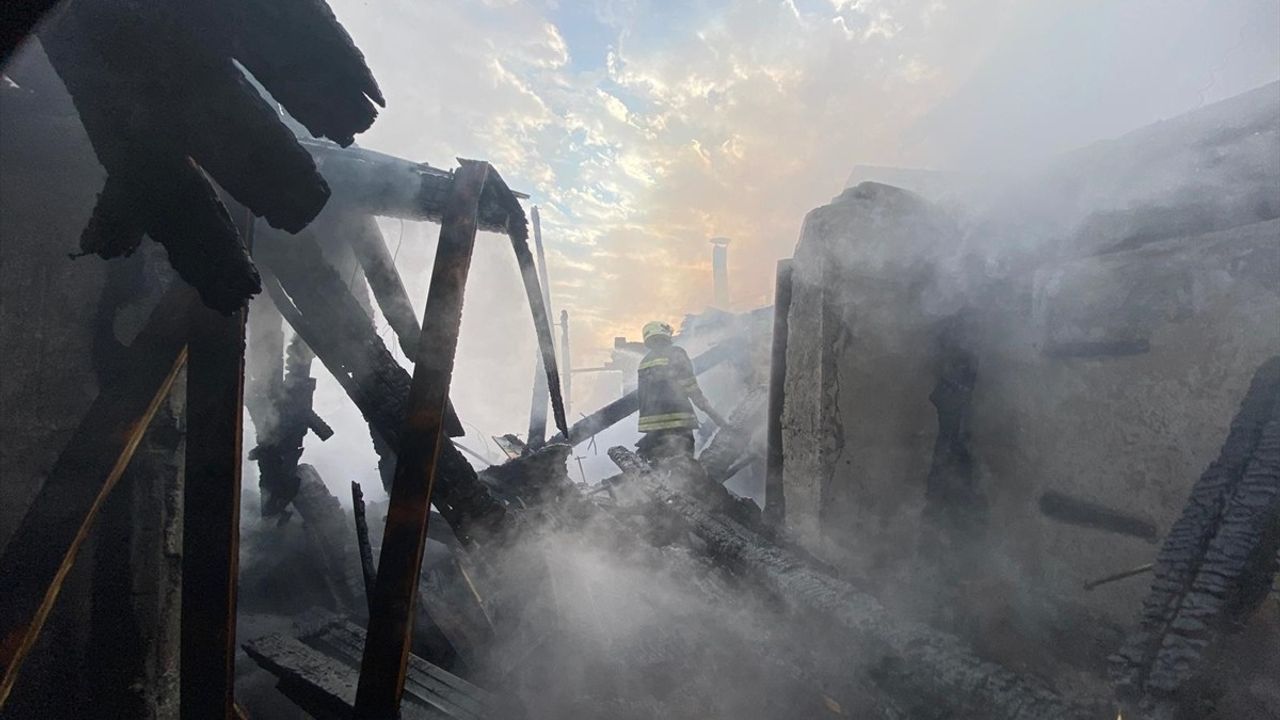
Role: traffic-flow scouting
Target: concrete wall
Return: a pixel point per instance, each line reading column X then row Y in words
column 1112, row 347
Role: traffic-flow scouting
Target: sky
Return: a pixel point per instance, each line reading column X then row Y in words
column 642, row 129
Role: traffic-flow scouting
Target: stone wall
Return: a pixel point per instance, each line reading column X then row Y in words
column 1111, row 346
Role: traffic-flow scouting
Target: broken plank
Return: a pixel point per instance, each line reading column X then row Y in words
column 43, row 548
column 386, row 652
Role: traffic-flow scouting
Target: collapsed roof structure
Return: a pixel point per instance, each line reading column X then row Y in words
column 705, row 604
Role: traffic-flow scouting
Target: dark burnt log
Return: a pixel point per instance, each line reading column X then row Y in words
column 384, row 279
column 623, row 407
column 44, row 546
column 1216, row 566
column 367, row 569
column 211, row 513
column 420, row 445
column 304, row 57
column 724, row 455
column 1084, row 513
column 922, row 669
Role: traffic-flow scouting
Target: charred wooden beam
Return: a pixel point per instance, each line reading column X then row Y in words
column 304, row 57
column 775, row 503
column 620, row 409
column 163, row 102
column 280, row 438
column 40, row 554
column 374, row 183
column 382, row 670
column 367, row 568
column 923, row 669
column 211, row 513
column 1084, row 513
column 380, row 270
column 724, row 455
column 1216, row 566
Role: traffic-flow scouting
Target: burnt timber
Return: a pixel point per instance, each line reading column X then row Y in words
column 924, row 670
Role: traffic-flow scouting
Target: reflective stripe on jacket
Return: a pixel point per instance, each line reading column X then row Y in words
column 665, row 385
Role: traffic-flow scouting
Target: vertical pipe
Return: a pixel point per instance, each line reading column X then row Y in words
column 720, row 271
column 538, row 406
column 566, row 364
column 775, row 500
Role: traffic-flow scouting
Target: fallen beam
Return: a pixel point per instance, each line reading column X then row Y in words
column 924, row 670
column 620, row 409
column 374, row 183
column 43, row 548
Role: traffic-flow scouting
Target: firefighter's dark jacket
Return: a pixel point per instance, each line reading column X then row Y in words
column 666, row 385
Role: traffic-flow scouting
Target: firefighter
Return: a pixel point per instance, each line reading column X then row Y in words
column 668, row 392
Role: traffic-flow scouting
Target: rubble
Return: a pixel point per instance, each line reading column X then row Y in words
column 923, row 669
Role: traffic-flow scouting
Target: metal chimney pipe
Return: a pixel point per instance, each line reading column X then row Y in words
column 720, row 271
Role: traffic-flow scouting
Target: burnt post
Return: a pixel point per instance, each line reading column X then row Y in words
column 386, row 652
column 775, row 498
column 211, row 513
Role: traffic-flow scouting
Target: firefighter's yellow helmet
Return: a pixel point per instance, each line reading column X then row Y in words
column 657, row 328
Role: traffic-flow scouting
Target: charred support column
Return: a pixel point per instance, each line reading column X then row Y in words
column 42, row 550
column 386, row 652
column 211, row 514
column 775, row 496
column 538, row 406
